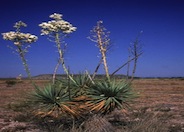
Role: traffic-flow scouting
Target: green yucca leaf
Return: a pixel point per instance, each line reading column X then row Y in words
column 115, row 94
column 54, row 101
column 83, row 82
column 118, row 102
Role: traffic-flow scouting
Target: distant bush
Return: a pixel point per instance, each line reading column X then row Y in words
column 10, row 83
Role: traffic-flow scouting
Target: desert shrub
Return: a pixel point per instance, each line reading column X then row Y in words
column 98, row 124
column 79, row 86
column 106, row 96
column 79, row 95
column 53, row 101
column 64, row 98
column 85, row 97
column 148, row 123
column 10, row 83
column 19, row 105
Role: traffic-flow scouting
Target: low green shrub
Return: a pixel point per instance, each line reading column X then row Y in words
column 53, row 101
column 106, row 96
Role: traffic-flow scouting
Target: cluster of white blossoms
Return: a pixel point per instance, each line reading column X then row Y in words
column 19, row 38
column 19, row 24
column 57, row 25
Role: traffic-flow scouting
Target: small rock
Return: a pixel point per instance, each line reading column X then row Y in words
column 148, row 110
column 137, row 119
column 165, row 109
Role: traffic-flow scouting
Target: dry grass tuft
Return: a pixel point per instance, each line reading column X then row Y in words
column 148, row 124
column 98, row 124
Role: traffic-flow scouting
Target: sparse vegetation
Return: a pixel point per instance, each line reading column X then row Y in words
column 145, row 112
column 78, row 96
column 84, row 102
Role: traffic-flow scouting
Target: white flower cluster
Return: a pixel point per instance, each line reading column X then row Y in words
column 19, row 24
column 57, row 25
column 19, row 38
column 56, row 16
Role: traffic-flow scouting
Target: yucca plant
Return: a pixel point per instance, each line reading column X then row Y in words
column 82, row 83
column 21, row 42
column 53, row 101
column 78, row 87
column 58, row 29
column 106, row 96
column 100, row 35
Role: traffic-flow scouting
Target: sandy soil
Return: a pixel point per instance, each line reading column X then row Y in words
column 159, row 96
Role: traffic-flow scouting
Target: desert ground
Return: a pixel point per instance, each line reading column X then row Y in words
column 157, row 98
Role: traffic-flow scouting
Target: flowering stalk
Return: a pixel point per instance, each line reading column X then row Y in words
column 56, row 28
column 22, row 56
column 103, row 52
column 20, row 39
column 135, row 51
column 61, row 57
column 101, row 38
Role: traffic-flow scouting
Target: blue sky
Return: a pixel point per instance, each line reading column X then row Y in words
column 162, row 23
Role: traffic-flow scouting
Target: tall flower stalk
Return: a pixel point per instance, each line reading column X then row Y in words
column 101, row 37
column 20, row 40
column 61, row 55
column 57, row 29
